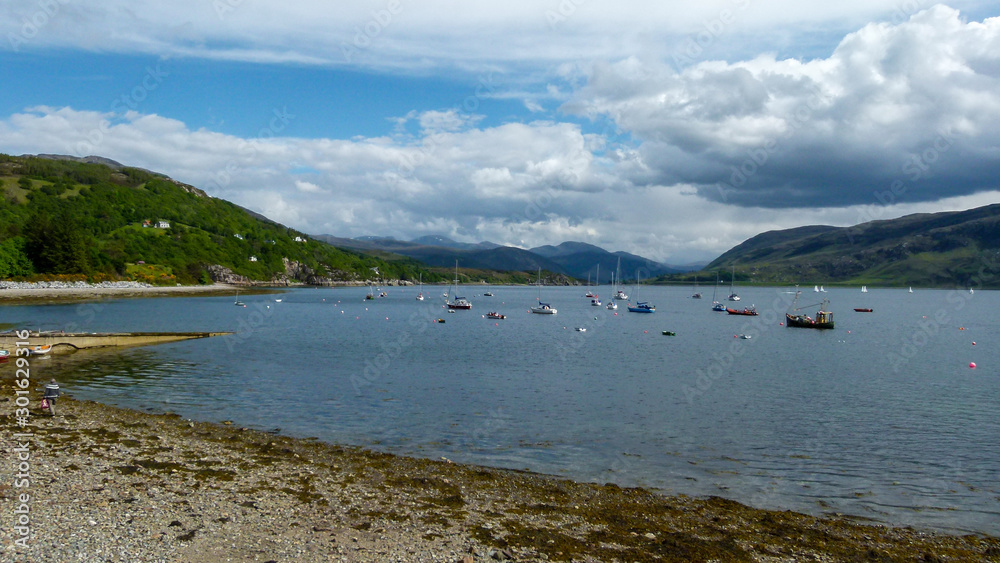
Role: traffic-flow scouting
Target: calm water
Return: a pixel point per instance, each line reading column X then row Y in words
column 880, row 418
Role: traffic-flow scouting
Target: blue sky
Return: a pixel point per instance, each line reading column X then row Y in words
column 672, row 130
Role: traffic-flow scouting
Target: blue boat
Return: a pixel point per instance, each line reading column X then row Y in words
column 642, row 307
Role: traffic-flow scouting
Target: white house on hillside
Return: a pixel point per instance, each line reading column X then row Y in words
column 161, row 224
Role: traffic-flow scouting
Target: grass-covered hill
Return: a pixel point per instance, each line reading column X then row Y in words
column 949, row 249
column 101, row 220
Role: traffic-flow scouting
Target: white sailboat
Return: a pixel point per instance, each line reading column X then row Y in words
column 420, row 296
column 612, row 306
column 733, row 296
column 456, row 301
column 864, row 289
column 716, row 306
column 238, row 303
column 542, row 308
column 911, row 290
column 619, row 294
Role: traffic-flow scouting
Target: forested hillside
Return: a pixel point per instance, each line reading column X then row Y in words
column 64, row 217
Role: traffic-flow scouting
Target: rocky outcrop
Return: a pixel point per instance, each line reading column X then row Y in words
column 221, row 274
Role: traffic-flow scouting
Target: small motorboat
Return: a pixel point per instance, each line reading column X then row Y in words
column 747, row 311
column 439, row 321
column 40, row 349
column 493, row 315
column 4, row 354
column 581, row 329
column 669, row 333
column 864, row 310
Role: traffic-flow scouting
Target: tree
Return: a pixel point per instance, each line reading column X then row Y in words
column 55, row 244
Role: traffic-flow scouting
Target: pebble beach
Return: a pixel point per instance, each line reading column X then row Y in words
column 111, row 484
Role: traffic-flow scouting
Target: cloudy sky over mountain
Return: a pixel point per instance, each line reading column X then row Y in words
column 671, row 130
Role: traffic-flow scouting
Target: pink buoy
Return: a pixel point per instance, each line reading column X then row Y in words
column 972, row 365
column 973, row 343
column 645, row 332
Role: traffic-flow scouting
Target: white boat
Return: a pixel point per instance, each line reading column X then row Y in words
column 420, row 295
column 864, row 289
column 277, row 300
column 458, row 302
column 542, row 308
column 581, row 329
column 733, row 296
column 716, row 306
column 595, row 302
column 488, row 293
column 816, row 288
column 238, row 303
column 40, row 349
column 4, row 354
column 821, row 290
column 619, row 294
column 911, row 290
column 971, row 291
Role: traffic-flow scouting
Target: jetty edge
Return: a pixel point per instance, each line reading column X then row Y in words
column 157, row 487
column 65, row 341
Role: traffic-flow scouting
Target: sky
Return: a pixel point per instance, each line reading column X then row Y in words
column 671, row 130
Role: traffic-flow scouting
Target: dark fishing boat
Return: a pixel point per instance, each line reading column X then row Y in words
column 824, row 318
column 864, row 310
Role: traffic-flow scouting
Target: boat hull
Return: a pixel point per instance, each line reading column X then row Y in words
column 459, row 305
column 543, row 310
column 744, row 312
column 864, row 310
column 802, row 321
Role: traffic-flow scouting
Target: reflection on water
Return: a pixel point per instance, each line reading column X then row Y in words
column 879, row 418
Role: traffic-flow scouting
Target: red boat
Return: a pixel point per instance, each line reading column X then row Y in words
column 748, row 311
column 864, row 310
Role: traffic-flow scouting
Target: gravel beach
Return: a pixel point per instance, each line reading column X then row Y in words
column 22, row 293
column 111, row 484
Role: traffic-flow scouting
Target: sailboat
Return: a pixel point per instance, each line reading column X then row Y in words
column 816, row 288
column 596, row 301
column 619, row 294
column 716, row 306
column 640, row 306
column 911, row 290
column 590, row 292
column 864, row 289
column 420, row 296
column 612, row 306
column 732, row 293
column 697, row 294
column 238, row 303
column 488, row 293
column 542, row 308
column 458, row 302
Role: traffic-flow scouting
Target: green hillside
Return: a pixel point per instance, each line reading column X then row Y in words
column 60, row 217
column 950, row 249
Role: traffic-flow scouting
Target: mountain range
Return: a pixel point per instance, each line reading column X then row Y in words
column 575, row 259
column 947, row 249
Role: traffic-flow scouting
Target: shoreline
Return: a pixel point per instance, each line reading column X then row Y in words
column 45, row 295
column 117, row 484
